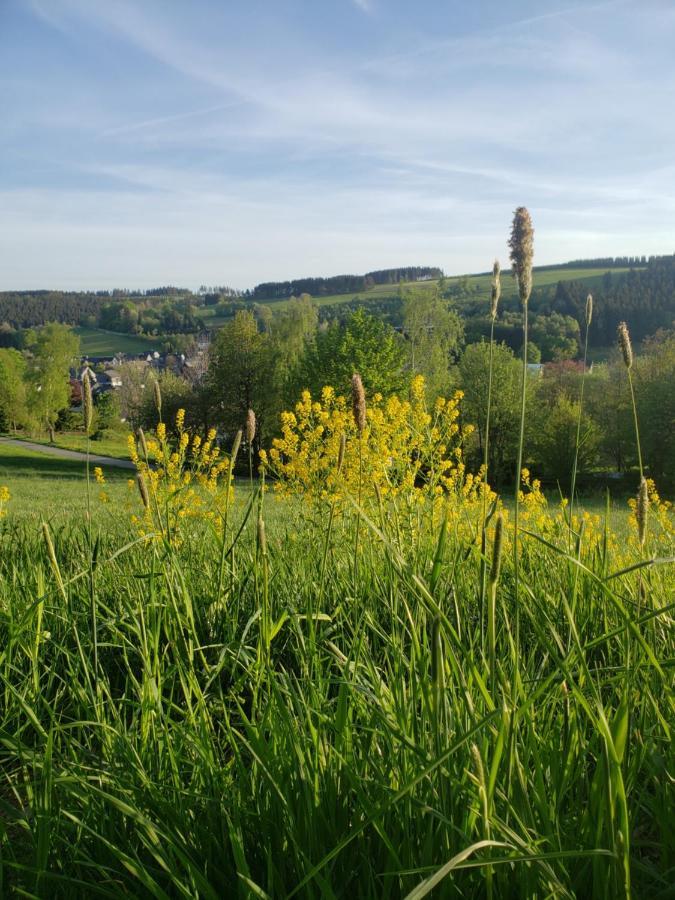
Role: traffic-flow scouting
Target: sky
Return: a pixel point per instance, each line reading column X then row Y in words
column 218, row 142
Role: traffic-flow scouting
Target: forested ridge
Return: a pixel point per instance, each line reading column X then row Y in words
column 643, row 296
column 341, row 284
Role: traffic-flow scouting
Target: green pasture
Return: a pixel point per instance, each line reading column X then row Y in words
column 324, row 707
column 481, row 283
column 97, row 342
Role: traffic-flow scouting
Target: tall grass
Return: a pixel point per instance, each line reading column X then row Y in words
column 325, row 705
column 234, row 743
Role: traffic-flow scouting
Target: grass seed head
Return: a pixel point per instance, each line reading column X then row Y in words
column 143, row 489
column 625, row 344
column 521, row 243
column 641, row 510
column 262, row 538
column 589, row 310
column 496, row 289
column 341, row 452
column 358, row 402
column 250, row 427
column 143, row 444
column 236, row 444
column 158, row 398
column 51, row 553
column 87, row 402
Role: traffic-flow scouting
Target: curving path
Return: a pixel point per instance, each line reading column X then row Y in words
column 94, row 459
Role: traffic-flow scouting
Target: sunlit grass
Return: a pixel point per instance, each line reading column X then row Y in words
column 192, row 712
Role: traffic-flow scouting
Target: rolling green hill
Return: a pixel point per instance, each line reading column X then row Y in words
column 478, row 284
column 98, row 342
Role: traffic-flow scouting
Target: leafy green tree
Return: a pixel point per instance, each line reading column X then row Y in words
column 533, row 352
column 555, row 441
column 607, row 400
column 13, row 411
column 107, row 413
column 136, row 389
column 655, row 377
column 177, row 393
column 55, row 348
column 242, row 376
column 362, row 344
column 291, row 330
column 505, row 409
column 434, row 335
column 556, row 336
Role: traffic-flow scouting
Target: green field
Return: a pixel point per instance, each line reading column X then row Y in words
column 97, row 342
column 319, row 706
column 590, row 277
column 113, row 444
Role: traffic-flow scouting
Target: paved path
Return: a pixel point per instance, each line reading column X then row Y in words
column 68, row 454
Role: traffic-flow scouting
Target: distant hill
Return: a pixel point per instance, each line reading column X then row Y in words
column 640, row 290
column 342, row 284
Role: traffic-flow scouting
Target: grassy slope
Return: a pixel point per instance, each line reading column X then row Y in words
column 97, row 342
column 43, row 486
column 589, row 277
column 158, row 741
column 112, row 445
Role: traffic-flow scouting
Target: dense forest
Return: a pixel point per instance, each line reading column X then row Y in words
column 342, row 284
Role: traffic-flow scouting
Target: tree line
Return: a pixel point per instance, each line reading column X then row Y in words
column 264, row 363
column 341, row 284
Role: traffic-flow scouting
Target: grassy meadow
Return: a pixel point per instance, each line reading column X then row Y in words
column 98, row 342
column 479, row 283
column 210, row 689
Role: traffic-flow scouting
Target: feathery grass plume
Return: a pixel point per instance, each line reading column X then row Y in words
column 250, row 427
column 143, row 443
column 341, row 452
column 641, row 510
column 496, row 289
column 143, row 489
column 236, row 444
column 497, row 550
column 358, row 402
column 158, row 398
column 262, row 538
column 521, row 243
column 625, row 345
column 589, row 310
column 87, row 402
column 51, row 553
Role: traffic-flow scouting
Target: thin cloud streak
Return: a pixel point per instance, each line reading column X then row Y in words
column 276, row 146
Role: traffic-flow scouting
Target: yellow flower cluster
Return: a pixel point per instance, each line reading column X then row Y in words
column 100, row 480
column 405, row 446
column 184, row 479
column 4, row 499
column 660, row 518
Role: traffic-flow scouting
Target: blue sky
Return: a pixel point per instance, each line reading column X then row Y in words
column 148, row 142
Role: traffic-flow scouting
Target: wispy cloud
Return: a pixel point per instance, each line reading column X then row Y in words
column 227, row 146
